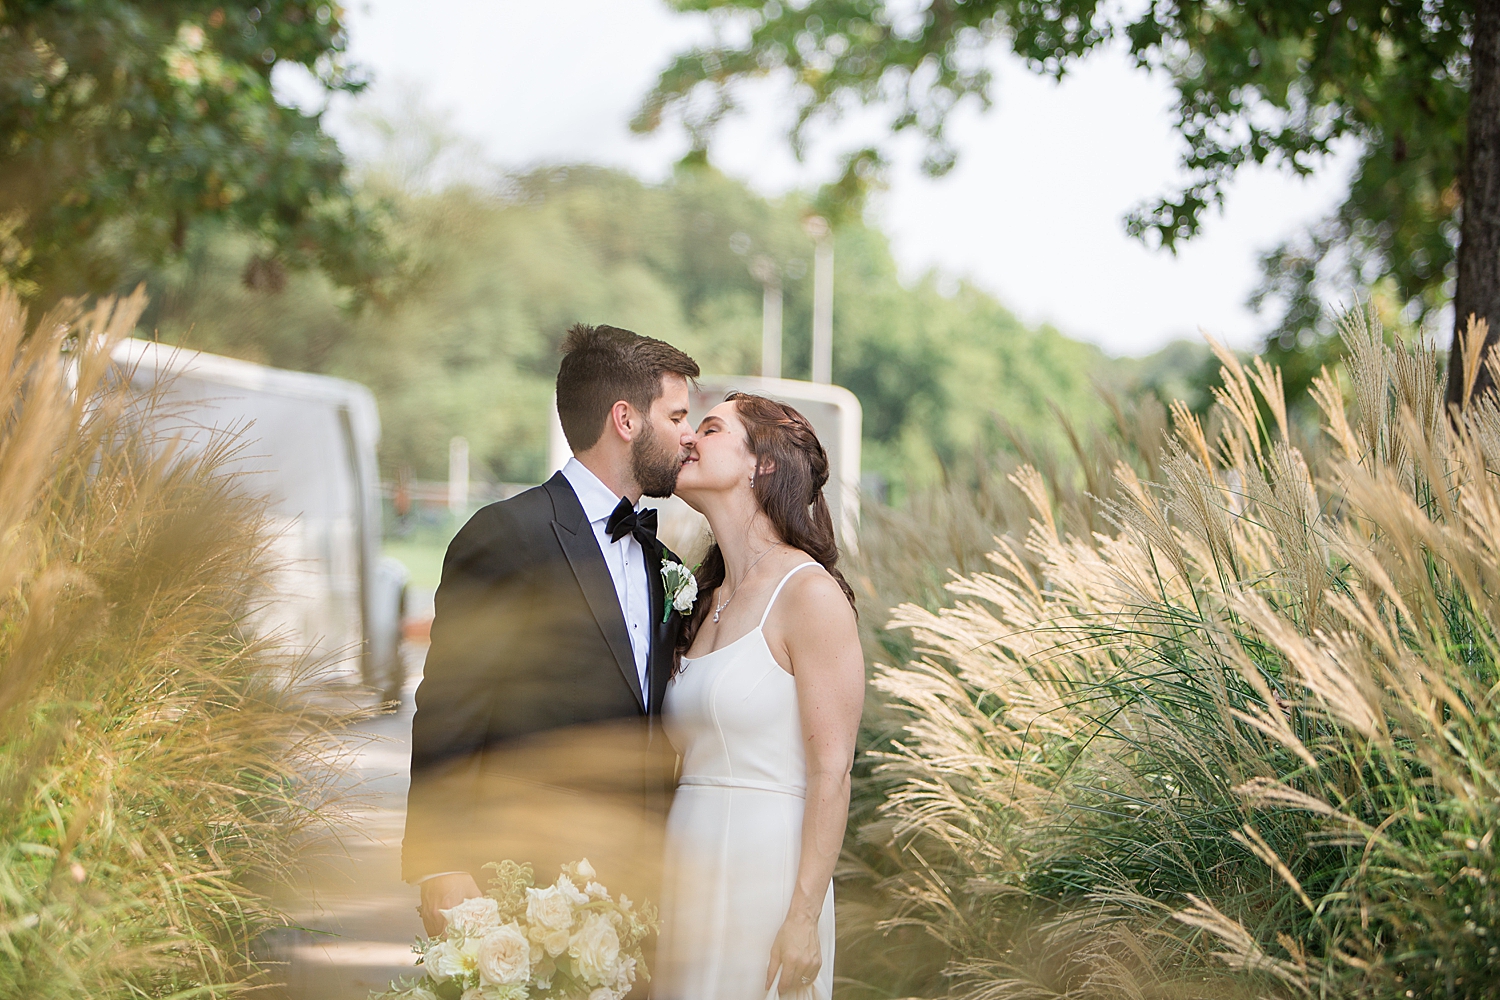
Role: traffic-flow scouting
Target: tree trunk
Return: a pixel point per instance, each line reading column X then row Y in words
column 1478, row 291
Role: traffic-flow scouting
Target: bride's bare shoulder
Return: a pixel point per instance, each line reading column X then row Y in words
column 813, row 596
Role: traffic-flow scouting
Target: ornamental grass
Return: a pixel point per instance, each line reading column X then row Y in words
column 1238, row 737
column 154, row 772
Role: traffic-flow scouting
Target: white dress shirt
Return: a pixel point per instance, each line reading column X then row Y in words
column 626, row 561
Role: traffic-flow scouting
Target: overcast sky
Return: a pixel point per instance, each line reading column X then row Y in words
column 1033, row 212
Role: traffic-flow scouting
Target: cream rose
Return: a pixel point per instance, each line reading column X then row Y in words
column 556, row 942
column 473, row 917
column 551, row 942
column 504, row 956
column 595, row 949
column 444, row 960
column 586, row 870
column 550, row 908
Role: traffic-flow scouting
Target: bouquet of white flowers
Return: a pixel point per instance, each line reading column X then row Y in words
column 569, row 941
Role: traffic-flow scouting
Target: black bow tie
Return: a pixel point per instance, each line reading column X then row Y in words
column 626, row 520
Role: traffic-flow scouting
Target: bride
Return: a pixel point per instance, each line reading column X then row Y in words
column 763, row 707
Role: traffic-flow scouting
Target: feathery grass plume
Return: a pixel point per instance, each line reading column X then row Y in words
column 151, row 773
column 1245, row 742
column 908, row 554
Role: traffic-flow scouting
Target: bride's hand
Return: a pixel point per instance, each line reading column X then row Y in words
column 797, row 955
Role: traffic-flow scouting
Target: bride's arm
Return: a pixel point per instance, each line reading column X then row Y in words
column 818, row 635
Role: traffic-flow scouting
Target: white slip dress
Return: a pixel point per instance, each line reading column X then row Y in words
column 734, row 835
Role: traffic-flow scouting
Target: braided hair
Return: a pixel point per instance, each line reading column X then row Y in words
column 790, row 494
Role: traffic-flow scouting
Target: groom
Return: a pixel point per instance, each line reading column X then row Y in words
column 536, row 736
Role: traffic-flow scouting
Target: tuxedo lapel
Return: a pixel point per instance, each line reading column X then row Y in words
column 587, row 562
column 660, row 661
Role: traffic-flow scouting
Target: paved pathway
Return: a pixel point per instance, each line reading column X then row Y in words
column 356, row 918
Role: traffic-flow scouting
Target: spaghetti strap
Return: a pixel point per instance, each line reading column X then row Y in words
column 777, row 592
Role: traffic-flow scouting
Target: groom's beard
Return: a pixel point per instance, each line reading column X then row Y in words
column 655, row 468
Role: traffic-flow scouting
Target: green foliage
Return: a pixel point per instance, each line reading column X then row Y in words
column 126, row 120
column 472, row 349
column 1265, row 81
column 154, row 773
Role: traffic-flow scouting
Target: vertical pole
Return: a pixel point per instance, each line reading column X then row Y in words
column 458, row 475
column 770, row 332
column 764, row 270
column 822, row 330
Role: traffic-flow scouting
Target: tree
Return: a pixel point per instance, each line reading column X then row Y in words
column 1415, row 82
column 471, row 348
column 123, row 121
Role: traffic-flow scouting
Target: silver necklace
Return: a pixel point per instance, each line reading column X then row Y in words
column 720, row 607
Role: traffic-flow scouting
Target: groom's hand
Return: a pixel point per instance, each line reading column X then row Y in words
column 443, row 892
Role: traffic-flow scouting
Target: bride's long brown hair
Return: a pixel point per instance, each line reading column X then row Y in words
column 790, row 494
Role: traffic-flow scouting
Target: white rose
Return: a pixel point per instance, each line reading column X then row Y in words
column 472, row 993
column 686, row 597
column 586, row 870
column 595, row 949
column 556, row 942
column 565, row 886
column 624, row 974
column 444, row 959
column 419, row 993
column 549, row 908
column 473, row 916
column 504, row 956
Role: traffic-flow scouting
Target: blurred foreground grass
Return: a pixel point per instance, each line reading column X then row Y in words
column 155, row 774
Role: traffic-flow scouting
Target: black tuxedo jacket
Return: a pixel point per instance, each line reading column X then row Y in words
column 529, row 651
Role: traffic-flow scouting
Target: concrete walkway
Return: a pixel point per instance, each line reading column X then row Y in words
column 355, row 918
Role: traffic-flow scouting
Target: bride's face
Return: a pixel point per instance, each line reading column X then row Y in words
column 719, row 459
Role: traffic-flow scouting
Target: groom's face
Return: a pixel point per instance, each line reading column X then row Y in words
column 657, row 453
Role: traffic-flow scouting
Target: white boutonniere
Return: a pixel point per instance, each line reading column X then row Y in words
column 681, row 587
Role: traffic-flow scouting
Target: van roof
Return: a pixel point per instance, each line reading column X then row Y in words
column 145, row 356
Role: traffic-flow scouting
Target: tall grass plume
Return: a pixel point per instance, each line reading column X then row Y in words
column 1240, row 737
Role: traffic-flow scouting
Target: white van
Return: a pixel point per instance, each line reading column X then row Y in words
column 309, row 448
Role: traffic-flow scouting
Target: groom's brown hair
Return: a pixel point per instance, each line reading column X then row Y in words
column 602, row 365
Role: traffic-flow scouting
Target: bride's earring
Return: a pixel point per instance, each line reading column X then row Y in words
column 752, row 480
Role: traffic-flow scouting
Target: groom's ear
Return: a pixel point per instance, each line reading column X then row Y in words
column 624, row 421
